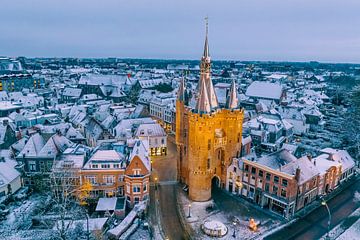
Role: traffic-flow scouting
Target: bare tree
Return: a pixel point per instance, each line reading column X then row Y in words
column 66, row 195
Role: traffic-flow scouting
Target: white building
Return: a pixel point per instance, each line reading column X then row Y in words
column 162, row 107
column 266, row 91
column 234, row 176
column 295, row 116
column 10, row 180
column 155, row 134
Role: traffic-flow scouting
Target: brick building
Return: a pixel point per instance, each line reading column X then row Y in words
column 208, row 136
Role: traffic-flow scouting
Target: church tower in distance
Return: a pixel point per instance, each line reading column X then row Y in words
column 207, row 136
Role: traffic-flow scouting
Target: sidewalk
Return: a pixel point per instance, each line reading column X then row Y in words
column 304, row 213
column 225, row 210
column 350, row 222
column 154, row 216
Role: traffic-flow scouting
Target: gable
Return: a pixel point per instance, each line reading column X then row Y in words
column 136, row 163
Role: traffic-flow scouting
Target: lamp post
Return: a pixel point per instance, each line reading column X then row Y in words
column 156, row 183
column 323, row 202
column 87, row 226
column 234, row 233
column 189, row 214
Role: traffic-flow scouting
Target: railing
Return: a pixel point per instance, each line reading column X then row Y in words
column 220, row 142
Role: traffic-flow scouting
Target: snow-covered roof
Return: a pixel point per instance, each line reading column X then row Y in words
column 340, row 156
column 125, row 224
column 72, row 92
column 290, row 147
column 37, row 147
column 150, row 130
column 8, row 173
column 141, row 149
column 33, row 146
column 307, row 169
column 98, row 79
column 323, row 163
column 95, row 224
column 265, row 90
column 106, row 155
column 246, row 140
column 277, row 160
column 106, row 204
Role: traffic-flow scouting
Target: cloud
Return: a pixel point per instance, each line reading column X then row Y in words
column 296, row 30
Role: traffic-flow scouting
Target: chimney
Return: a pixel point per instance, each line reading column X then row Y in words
column 309, row 156
column 297, row 174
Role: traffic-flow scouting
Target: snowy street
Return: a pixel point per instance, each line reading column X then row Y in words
column 314, row 225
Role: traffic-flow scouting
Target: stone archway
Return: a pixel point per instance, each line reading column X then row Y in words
column 215, row 184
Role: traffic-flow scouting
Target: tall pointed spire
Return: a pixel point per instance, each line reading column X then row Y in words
column 181, row 91
column 232, row 99
column 206, row 46
column 205, row 84
column 203, row 103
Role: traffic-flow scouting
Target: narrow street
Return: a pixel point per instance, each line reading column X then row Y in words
column 314, row 225
column 164, row 176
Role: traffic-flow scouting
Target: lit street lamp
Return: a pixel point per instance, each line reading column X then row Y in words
column 189, row 215
column 323, row 202
column 156, row 183
column 234, row 233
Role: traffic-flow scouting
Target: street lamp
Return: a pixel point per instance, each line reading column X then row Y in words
column 323, row 202
column 156, row 183
column 87, row 226
column 234, row 233
column 189, row 215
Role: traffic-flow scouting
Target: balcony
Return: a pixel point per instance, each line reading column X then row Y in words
column 220, row 142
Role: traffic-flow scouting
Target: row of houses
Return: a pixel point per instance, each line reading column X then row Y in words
column 283, row 183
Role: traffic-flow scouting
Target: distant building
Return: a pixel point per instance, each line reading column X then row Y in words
column 162, row 107
column 110, row 87
column 13, row 78
column 7, row 108
column 266, row 91
column 38, row 154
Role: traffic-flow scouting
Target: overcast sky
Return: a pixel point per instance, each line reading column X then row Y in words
column 289, row 30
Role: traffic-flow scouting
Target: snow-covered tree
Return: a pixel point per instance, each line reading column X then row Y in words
column 352, row 123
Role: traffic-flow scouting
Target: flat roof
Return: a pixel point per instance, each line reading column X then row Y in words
column 6, row 105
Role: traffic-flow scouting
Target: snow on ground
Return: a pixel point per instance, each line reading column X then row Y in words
column 30, row 235
column 141, row 234
column 20, row 214
column 202, row 211
column 341, row 228
column 352, row 233
column 356, row 196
